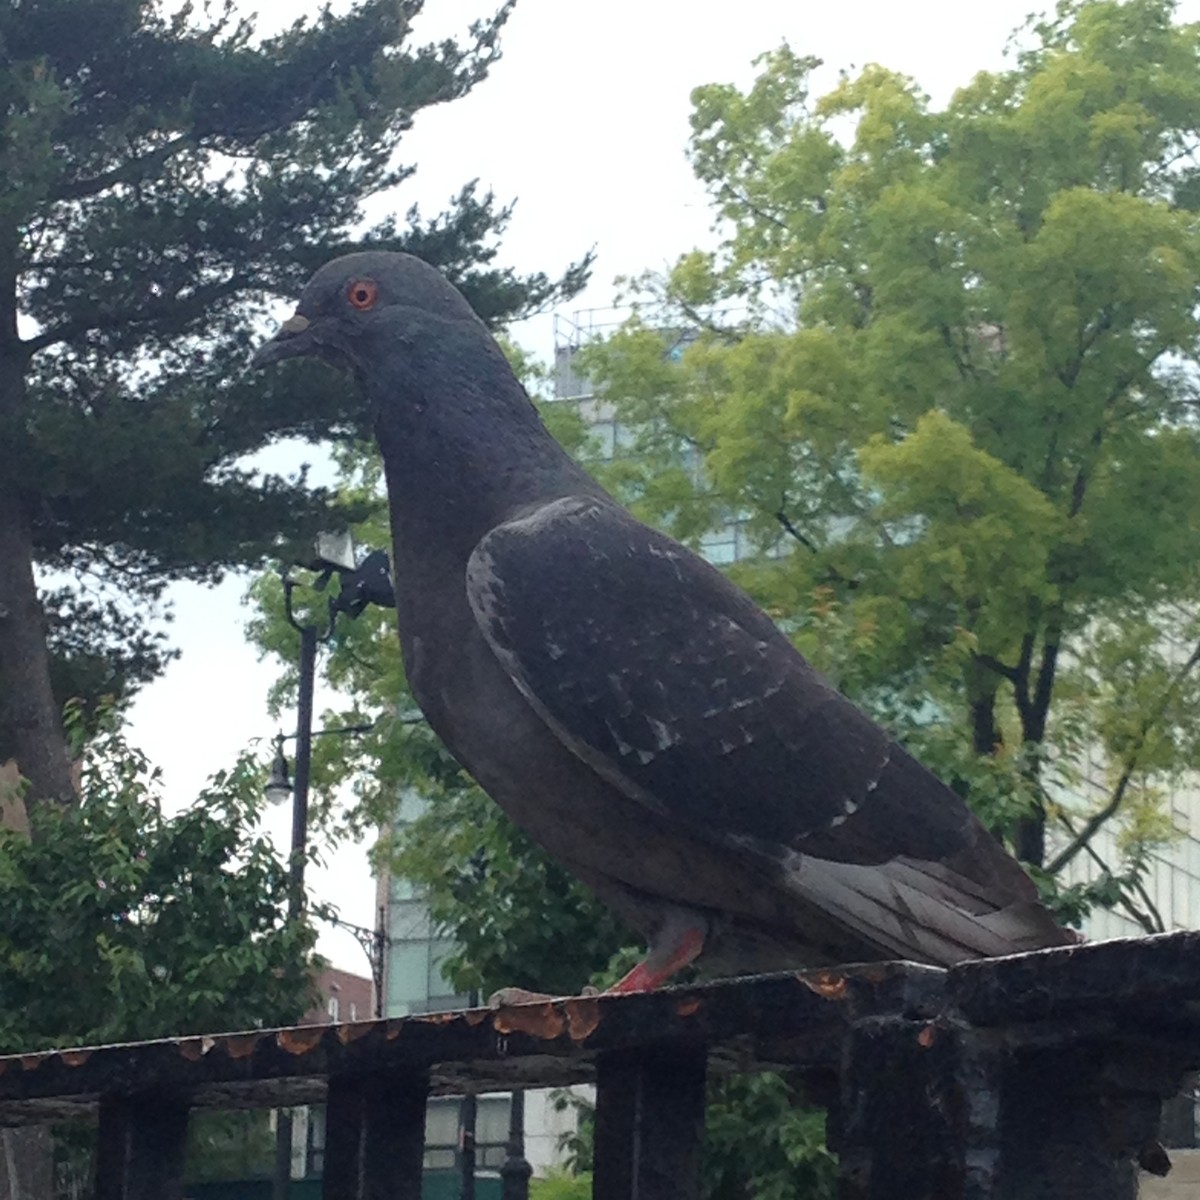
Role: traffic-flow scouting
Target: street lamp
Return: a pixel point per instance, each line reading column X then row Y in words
column 368, row 582
column 278, row 788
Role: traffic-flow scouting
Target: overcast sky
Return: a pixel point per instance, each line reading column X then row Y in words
column 584, row 123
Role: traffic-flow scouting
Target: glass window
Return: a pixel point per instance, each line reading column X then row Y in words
column 400, row 889
column 441, row 1122
column 410, row 920
column 439, row 1160
column 316, row 1140
column 491, row 1119
column 408, row 976
column 439, row 985
column 332, row 1007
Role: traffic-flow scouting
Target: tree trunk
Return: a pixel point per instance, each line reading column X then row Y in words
column 1029, row 840
column 31, row 731
column 1030, row 836
column 985, row 733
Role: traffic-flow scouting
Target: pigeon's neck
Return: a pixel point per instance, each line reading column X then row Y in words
column 460, row 462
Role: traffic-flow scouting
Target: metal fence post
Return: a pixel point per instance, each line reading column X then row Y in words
column 650, row 1123
column 516, row 1171
column 375, row 1137
column 141, row 1146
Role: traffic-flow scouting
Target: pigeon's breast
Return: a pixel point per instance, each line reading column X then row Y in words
column 613, row 843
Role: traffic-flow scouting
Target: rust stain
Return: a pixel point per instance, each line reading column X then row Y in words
column 827, row 984
column 688, row 1008
column 301, row 1040
column 194, row 1049
column 75, row 1058
column 476, row 1016
column 927, row 1036
column 31, row 1062
column 583, row 1015
column 240, row 1045
column 539, row 1020
column 352, row 1032
column 440, row 1018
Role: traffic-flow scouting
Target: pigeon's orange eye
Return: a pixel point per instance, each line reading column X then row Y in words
column 363, row 293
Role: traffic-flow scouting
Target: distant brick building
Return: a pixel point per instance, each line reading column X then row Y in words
column 344, row 997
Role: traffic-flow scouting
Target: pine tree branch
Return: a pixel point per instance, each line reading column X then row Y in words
column 131, row 171
column 167, row 311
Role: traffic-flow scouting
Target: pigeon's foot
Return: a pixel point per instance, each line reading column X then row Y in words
column 676, row 946
column 515, row 995
column 678, row 942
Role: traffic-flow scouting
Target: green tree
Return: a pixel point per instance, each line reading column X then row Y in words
column 120, row 923
column 945, row 358
column 166, row 172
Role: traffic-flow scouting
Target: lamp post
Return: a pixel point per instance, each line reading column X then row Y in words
column 468, row 1119
column 515, row 1172
column 361, row 584
column 374, row 943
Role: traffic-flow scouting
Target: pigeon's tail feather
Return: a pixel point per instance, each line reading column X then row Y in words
column 920, row 911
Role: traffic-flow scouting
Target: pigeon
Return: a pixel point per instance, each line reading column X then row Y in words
column 620, row 698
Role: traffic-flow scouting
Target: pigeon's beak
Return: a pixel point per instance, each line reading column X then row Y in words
column 292, row 341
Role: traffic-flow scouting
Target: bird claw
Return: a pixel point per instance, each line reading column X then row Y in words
column 515, row 995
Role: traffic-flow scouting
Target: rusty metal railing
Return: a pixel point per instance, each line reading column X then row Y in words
column 1036, row 1077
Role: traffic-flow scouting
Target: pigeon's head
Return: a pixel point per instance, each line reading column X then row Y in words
column 358, row 309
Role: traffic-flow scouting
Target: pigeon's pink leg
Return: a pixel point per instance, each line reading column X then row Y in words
column 677, row 942
column 663, row 961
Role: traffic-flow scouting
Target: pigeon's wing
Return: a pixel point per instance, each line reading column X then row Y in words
column 668, row 681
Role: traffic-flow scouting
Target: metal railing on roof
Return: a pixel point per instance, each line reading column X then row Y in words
column 1035, row 1077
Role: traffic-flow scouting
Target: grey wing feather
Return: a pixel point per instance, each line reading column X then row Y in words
column 671, row 684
